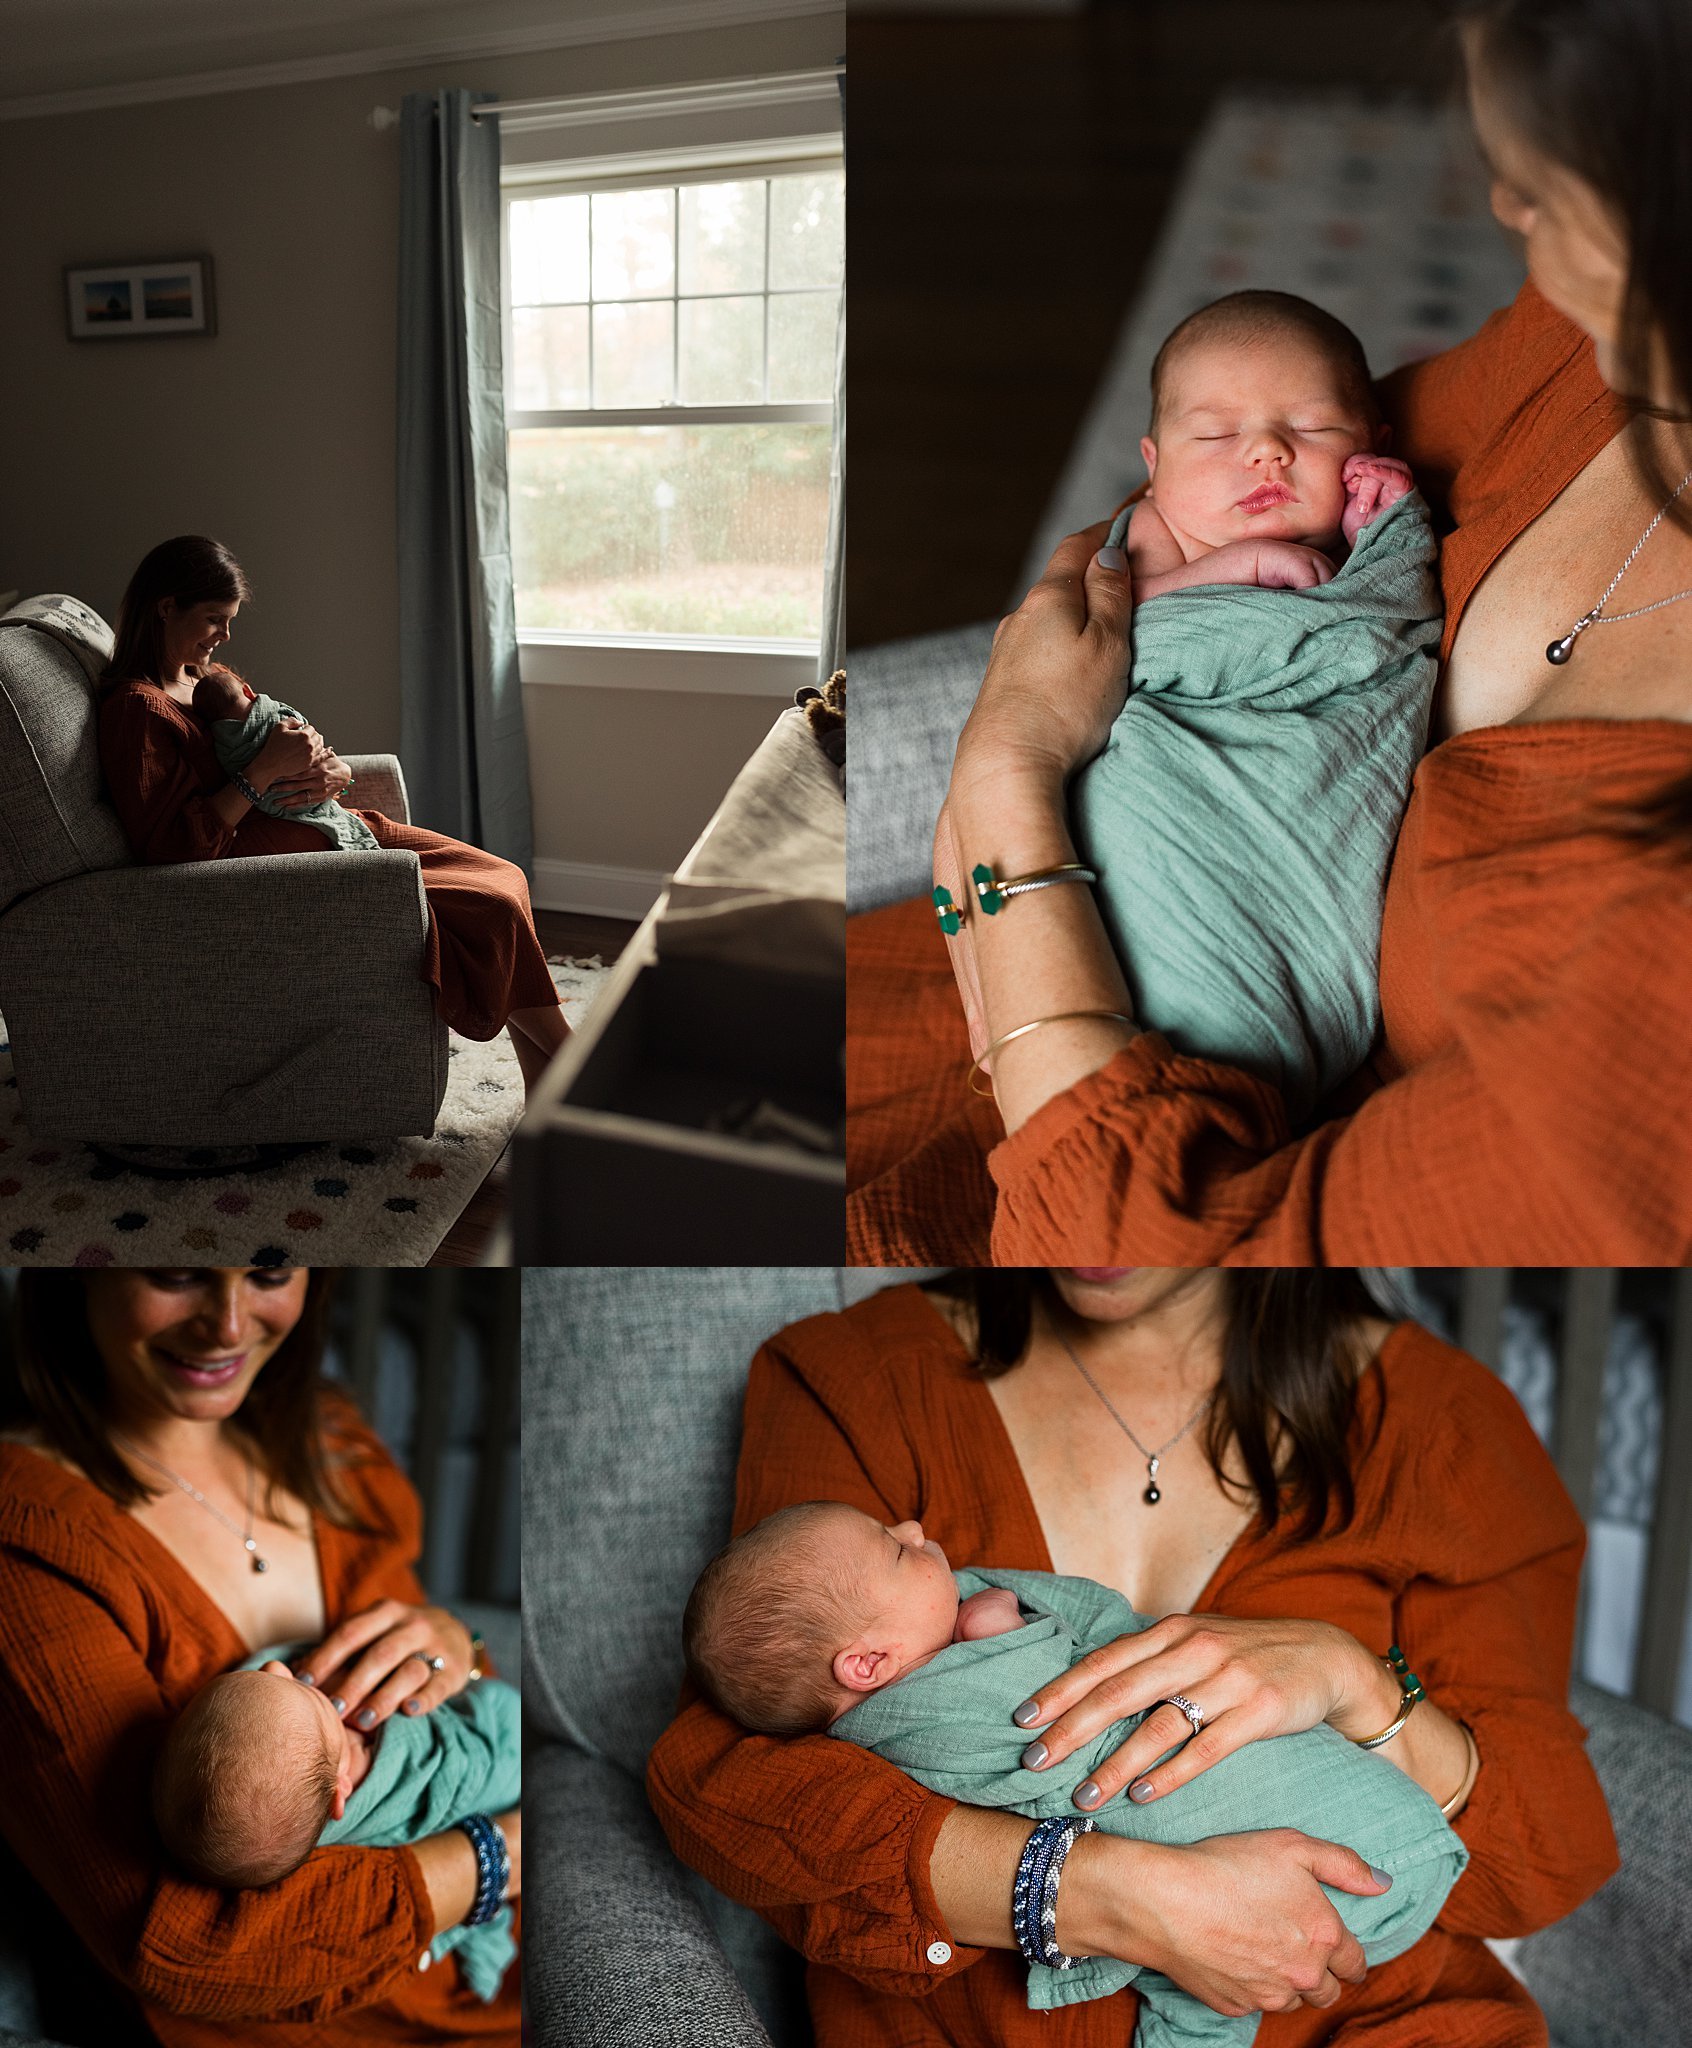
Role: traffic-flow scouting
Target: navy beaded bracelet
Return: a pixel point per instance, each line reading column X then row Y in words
column 1034, row 1895
column 493, row 1867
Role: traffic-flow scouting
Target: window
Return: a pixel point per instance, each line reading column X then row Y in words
column 669, row 381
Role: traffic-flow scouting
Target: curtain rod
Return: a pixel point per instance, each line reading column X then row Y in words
column 592, row 109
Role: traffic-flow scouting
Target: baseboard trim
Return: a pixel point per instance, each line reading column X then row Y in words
column 594, row 890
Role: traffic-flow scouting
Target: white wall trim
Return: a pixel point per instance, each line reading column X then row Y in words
column 591, row 889
column 615, row 25
column 671, row 102
column 689, row 667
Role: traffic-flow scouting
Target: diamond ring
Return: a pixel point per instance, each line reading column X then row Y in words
column 1193, row 1712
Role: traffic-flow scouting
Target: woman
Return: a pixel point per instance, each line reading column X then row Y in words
column 484, row 961
column 1531, row 1101
column 178, row 1488
column 1327, row 1485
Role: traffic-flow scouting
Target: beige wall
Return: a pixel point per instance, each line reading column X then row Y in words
column 278, row 434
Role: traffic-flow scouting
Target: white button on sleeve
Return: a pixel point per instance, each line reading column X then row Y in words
column 424, row 1960
column 939, row 1952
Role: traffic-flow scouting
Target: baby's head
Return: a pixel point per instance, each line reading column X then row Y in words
column 1257, row 403
column 220, row 693
column 818, row 1605
column 253, row 1769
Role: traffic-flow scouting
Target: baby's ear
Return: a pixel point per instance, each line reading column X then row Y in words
column 337, row 1805
column 861, row 1670
column 1148, row 455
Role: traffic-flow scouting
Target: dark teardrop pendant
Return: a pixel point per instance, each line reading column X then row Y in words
column 260, row 1565
column 1151, row 1496
column 1559, row 651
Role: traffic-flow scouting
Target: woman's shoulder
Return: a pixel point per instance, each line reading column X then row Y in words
column 860, row 1349
column 52, row 1514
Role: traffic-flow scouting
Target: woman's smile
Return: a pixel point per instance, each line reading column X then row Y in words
column 202, row 1372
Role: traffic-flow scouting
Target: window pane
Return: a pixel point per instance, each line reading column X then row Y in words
column 716, row 532
column 634, row 244
column 549, row 369
column 722, row 237
column 633, row 354
column 722, row 351
column 802, row 346
column 807, row 230
column 549, row 251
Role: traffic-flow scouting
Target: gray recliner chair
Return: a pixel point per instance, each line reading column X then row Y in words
column 632, row 1382
column 217, row 1002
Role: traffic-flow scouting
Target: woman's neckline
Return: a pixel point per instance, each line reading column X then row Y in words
column 1244, row 1539
column 172, row 1562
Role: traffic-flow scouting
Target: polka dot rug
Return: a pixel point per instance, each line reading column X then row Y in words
column 385, row 1203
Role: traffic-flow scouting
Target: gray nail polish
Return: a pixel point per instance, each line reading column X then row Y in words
column 338, row 1703
column 1034, row 1756
column 1087, row 1796
column 1112, row 558
column 365, row 1718
column 1141, row 1791
column 1027, row 1714
column 305, row 1678
column 411, row 1706
column 1380, row 1876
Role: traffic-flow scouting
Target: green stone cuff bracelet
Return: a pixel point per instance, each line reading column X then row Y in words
column 1411, row 1694
column 993, row 895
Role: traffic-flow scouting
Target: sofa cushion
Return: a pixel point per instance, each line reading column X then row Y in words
column 54, row 817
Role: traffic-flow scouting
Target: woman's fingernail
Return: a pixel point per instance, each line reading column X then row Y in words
column 1112, row 558
column 366, row 1719
column 1380, row 1877
column 411, row 1706
column 305, row 1678
column 1143, row 1790
column 1034, row 1756
column 1087, row 1796
column 1027, row 1714
column 338, row 1703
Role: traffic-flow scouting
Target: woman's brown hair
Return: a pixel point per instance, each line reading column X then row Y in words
column 1287, row 1396
column 1601, row 87
column 190, row 570
column 55, row 1380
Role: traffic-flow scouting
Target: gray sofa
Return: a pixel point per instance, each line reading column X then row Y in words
column 209, row 1003
column 631, row 1419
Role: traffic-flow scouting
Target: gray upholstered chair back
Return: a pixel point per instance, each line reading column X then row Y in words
column 54, row 817
column 632, row 1386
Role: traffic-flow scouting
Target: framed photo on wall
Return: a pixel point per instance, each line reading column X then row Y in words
column 118, row 301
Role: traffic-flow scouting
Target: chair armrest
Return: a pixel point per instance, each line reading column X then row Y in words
column 616, row 1949
column 9, row 2039
column 908, row 702
column 379, row 785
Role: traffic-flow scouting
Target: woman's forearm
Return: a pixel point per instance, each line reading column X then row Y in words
column 449, row 1875
column 230, row 805
column 972, row 1870
column 1431, row 1747
column 1044, row 955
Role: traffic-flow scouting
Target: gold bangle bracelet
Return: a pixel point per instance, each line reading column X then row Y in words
column 1411, row 1693
column 1459, row 1799
column 1022, row 1030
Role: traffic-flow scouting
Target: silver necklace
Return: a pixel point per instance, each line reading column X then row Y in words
column 260, row 1564
column 1153, row 1493
column 1560, row 650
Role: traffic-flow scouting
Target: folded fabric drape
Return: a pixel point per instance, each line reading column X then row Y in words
column 461, row 701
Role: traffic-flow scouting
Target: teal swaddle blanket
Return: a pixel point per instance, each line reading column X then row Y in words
column 948, row 1725
column 237, row 743
column 1244, row 809
column 427, row 1773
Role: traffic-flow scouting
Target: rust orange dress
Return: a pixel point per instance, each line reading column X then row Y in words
column 1464, row 1548
column 483, row 959
column 104, row 1636
column 1531, row 1101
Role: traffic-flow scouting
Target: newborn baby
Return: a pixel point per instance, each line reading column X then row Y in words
column 824, row 1618
column 240, row 723
column 1286, row 630
column 259, row 1770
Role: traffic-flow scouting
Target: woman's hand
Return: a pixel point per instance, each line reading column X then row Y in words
column 1240, row 1921
column 327, row 776
column 511, row 1826
column 377, row 1662
column 1058, row 674
column 290, row 752
column 1250, row 1679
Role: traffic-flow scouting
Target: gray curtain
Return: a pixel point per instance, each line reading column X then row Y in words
column 832, row 654
column 461, row 704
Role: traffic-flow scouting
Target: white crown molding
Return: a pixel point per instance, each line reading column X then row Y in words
column 614, row 26
column 666, row 102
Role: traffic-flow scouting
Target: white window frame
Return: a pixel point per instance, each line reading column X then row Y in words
column 740, row 667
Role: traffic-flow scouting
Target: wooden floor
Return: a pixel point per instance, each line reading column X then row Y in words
column 1006, row 182
column 467, row 1242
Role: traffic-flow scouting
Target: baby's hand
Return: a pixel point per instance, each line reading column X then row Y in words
column 991, row 1612
column 1372, row 483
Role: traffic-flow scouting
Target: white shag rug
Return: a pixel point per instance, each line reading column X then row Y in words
column 385, row 1203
